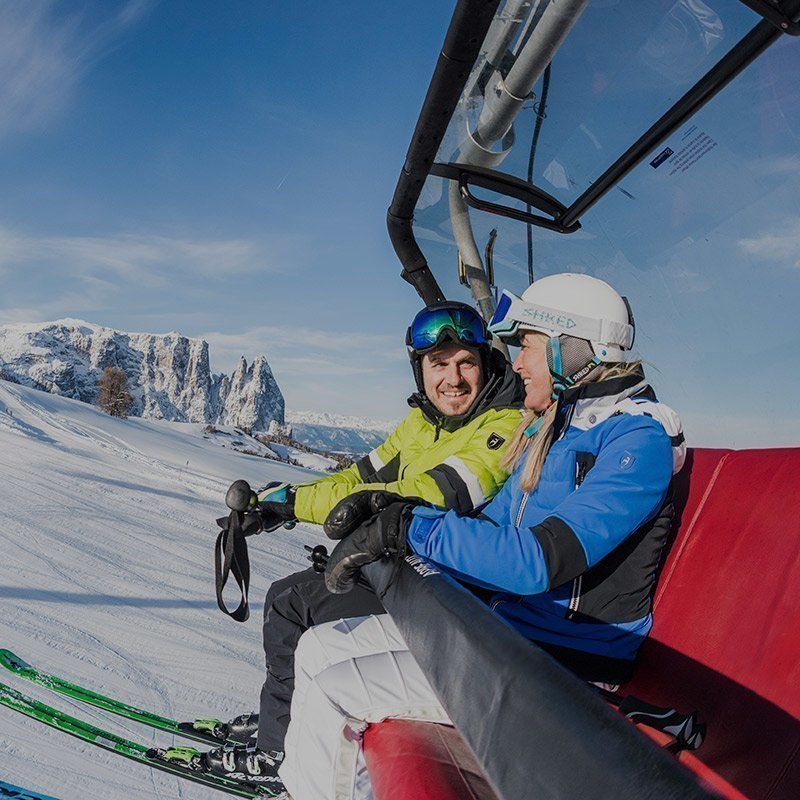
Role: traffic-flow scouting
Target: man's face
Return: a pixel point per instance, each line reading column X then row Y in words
column 452, row 377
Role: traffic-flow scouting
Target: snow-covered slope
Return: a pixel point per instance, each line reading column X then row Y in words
column 353, row 436
column 169, row 374
column 106, row 577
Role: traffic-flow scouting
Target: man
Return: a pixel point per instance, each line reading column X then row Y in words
column 445, row 453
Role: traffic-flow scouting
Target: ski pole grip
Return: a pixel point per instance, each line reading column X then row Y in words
column 238, row 496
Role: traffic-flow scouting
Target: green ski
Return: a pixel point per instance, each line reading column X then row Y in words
column 135, row 751
column 201, row 730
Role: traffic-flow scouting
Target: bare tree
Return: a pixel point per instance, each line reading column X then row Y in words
column 113, row 396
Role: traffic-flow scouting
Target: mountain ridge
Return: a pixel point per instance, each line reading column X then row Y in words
column 169, row 374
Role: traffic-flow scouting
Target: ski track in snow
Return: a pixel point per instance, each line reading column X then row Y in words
column 106, row 579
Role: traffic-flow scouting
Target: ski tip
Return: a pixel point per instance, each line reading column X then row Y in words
column 12, row 661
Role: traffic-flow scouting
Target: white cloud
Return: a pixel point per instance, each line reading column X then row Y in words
column 300, row 350
column 273, row 336
column 787, row 165
column 44, row 54
column 740, row 430
column 780, row 244
column 140, row 257
column 50, row 277
column 310, row 365
column 354, row 372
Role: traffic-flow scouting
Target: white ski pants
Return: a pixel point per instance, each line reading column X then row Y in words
column 348, row 674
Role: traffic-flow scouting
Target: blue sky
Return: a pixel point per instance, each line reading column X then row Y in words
column 220, row 169
column 224, row 169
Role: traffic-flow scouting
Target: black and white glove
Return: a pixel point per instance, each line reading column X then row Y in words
column 382, row 536
column 357, row 508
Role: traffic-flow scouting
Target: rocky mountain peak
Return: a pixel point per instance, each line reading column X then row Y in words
column 169, row 374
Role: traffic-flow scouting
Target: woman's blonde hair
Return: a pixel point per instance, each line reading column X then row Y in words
column 536, row 447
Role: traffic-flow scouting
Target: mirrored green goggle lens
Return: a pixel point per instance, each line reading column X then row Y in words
column 430, row 327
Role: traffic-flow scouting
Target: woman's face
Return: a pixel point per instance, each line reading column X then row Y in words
column 531, row 366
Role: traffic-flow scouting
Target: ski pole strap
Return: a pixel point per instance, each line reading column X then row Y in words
column 687, row 732
column 230, row 556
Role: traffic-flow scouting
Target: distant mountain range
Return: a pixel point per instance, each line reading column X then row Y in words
column 334, row 433
column 169, row 378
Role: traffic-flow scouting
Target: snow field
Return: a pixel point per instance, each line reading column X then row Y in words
column 107, row 579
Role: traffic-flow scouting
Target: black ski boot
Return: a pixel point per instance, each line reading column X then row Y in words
column 240, row 729
column 245, row 762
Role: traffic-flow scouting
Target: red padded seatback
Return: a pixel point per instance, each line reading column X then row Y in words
column 726, row 633
column 692, row 487
column 410, row 760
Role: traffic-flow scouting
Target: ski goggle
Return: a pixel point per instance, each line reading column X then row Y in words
column 514, row 314
column 430, row 326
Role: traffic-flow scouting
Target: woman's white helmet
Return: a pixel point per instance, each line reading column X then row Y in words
column 588, row 322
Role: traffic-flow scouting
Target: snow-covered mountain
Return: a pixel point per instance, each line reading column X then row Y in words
column 107, row 579
column 353, row 436
column 169, row 374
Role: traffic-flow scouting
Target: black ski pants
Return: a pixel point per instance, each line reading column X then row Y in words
column 293, row 605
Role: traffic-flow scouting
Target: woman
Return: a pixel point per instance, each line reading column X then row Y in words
column 570, row 545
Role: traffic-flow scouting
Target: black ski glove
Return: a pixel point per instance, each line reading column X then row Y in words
column 382, row 536
column 276, row 505
column 357, row 508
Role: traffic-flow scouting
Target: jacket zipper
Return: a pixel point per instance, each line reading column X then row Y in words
column 522, row 505
column 581, row 468
column 575, row 600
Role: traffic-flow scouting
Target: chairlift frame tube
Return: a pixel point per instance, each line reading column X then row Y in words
column 503, row 100
column 500, row 35
column 468, row 26
column 780, row 20
column 505, row 96
column 468, row 250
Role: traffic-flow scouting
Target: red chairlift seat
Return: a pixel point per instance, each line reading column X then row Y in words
column 725, row 643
